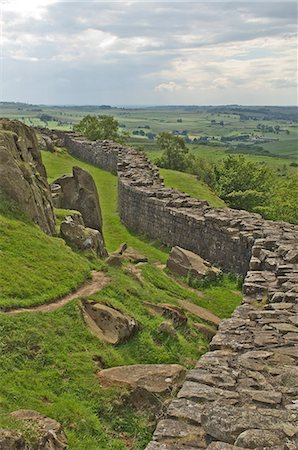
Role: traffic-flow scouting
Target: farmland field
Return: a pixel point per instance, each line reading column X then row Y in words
column 263, row 134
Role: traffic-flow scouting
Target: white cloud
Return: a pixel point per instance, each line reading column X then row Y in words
column 171, row 86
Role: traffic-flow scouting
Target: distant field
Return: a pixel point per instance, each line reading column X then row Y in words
column 196, row 122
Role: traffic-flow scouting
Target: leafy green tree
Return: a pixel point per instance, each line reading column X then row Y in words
column 100, row 128
column 174, row 152
column 283, row 203
column 243, row 184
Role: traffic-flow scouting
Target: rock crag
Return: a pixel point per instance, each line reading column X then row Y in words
column 23, row 175
column 243, row 393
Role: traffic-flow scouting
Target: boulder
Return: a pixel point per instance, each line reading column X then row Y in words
column 23, row 175
column 200, row 312
column 108, row 324
column 82, row 238
column 167, row 329
column 114, row 260
column 185, row 263
column 11, row 440
column 49, row 432
column 207, row 331
column 78, row 191
column 172, row 312
column 155, row 378
column 133, row 255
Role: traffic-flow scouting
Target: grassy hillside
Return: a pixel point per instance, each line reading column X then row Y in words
column 49, row 361
column 114, row 232
column 35, row 268
column 189, row 184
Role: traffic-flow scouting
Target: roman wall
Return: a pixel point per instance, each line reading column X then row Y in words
column 243, row 393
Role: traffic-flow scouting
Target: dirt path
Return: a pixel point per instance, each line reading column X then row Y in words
column 99, row 280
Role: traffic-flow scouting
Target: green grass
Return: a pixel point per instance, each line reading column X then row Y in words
column 114, row 232
column 35, row 268
column 189, row 184
column 48, row 360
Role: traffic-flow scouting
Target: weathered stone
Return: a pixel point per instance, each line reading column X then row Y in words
column 114, row 260
column 207, row 331
column 23, row 175
column 226, row 423
column 258, row 439
column 185, row 263
column 169, row 430
column 81, row 238
column 134, row 256
column 155, row 378
column 78, row 191
column 167, row 328
column 223, row 446
column 183, row 409
column 108, row 324
column 199, row 392
column 200, row 312
column 50, row 434
column 11, row 440
column 172, row 312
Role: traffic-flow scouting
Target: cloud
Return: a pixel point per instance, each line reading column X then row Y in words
column 150, row 51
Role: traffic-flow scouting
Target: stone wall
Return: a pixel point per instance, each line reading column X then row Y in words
column 243, row 393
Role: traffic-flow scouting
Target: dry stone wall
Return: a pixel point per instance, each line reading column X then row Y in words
column 244, row 392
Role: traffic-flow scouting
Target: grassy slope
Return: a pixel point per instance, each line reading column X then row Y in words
column 188, row 183
column 115, row 233
column 47, row 361
column 35, row 268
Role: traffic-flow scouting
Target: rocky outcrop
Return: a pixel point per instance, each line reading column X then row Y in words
column 82, row 238
column 169, row 311
column 108, row 324
column 185, row 263
column 47, row 433
column 78, row 191
column 23, row 175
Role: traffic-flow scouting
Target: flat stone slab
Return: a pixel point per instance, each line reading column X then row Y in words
column 157, row 378
column 200, row 312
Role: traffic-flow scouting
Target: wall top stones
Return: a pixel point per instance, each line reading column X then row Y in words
column 243, row 393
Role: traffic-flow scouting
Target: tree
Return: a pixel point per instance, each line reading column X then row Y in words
column 174, row 152
column 283, row 203
column 243, row 184
column 100, row 128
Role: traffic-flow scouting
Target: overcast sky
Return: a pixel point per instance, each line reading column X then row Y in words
column 135, row 52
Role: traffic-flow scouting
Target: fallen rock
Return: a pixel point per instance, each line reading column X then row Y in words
column 172, row 312
column 207, row 331
column 114, row 260
column 108, row 324
column 11, row 440
column 200, row 312
column 82, row 238
column 155, row 378
column 223, row 446
column 78, row 191
column 167, row 328
column 49, row 432
column 23, row 175
column 133, row 256
column 183, row 263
